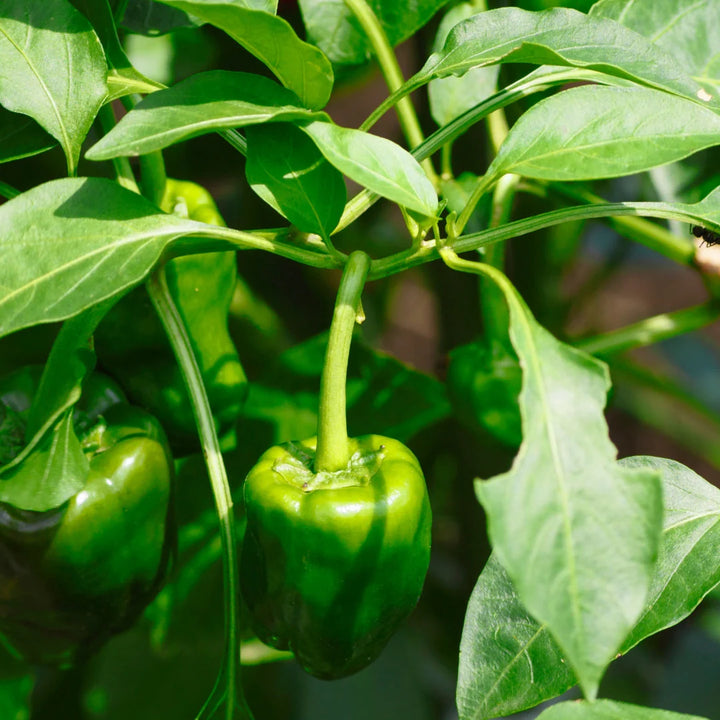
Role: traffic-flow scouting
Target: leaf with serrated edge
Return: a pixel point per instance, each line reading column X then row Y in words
column 577, row 533
column 53, row 69
column 299, row 66
column 595, row 131
column 375, row 163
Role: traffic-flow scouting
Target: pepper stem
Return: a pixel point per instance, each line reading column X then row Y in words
column 332, row 443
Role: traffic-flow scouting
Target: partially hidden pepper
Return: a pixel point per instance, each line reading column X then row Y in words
column 73, row 576
column 131, row 344
column 337, row 541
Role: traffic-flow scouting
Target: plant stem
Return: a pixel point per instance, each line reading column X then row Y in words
column 235, row 139
column 123, row 171
column 332, row 444
column 651, row 330
column 228, row 685
column 392, row 74
column 153, row 177
column 8, row 191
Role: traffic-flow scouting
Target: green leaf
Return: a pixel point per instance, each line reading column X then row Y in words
column 286, row 169
column 577, row 533
column 204, row 103
column 594, row 132
column 71, row 243
column 21, row 136
column 15, row 697
column 384, row 396
column 609, row 710
column 688, row 566
column 375, row 163
column 679, row 27
column 333, row 28
column 451, row 96
column 123, row 78
column 53, row 69
column 51, row 474
column 508, row 661
column 299, row 66
column 559, row 36
column 147, row 17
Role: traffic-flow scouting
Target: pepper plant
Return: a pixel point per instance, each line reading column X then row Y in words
column 517, row 129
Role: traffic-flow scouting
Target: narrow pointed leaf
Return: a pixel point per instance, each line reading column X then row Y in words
column 53, row 69
column 560, row 36
column 682, row 28
column 595, row 131
column 577, row 533
column 299, row 66
column 375, row 163
column 204, row 103
column 609, row 710
column 286, row 169
column 71, row 243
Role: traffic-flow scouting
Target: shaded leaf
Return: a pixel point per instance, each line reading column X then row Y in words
column 559, row 36
column 286, row 169
column 69, row 244
column 609, row 710
column 375, row 163
column 53, row 69
column 595, row 131
column 21, row 136
column 577, row 533
column 299, row 66
column 147, row 17
column 205, row 102
column 333, row 28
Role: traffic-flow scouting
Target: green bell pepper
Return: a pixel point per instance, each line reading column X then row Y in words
column 73, row 576
column 333, row 562
column 131, row 344
column 337, row 539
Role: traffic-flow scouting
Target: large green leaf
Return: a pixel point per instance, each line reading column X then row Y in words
column 286, row 169
column 375, row 163
column 577, row 533
column 509, row 661
column 559, row 36
column 71, row 243
column 595, row 131
column 203, row 103
column 609, row 710
column 299, row 66
column 21, row 136
column 685, row 29
column 52, row 68
column 333, row 28
column 452, row 96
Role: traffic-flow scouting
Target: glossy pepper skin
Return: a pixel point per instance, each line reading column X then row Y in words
column 332, row 563
column 73, row 576
column 131, row 344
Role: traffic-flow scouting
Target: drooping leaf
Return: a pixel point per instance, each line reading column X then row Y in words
column 203, row 103
column 53, row 69
column 21, row 136
column 577, row 533
column 69, row 244
column 686, row 30
column 560, row 36
column 123, row 78
column 609, row 710
column 375, row 163
column 299, row 66
column 595, row 131
column 286, row 169
column 333, row 28
column 147, row 17
column 509, row 661
column 452, row 96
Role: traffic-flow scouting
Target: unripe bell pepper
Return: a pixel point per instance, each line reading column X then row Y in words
column 73, row 576
column 132, row 346
column 333, row 562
